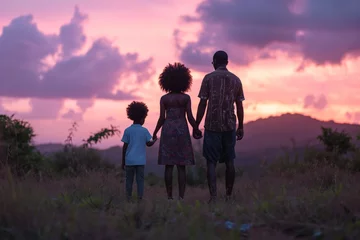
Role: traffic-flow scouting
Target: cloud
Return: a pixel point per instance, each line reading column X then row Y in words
column 110, row 119
column 43, row 109
column 322, row 31
column 27, row 69
column 348, row 115
column 72, row 115
column 310, row 101
column 355, row 116
column 72, row 35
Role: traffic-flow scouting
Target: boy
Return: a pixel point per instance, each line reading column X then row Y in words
column 134, row 150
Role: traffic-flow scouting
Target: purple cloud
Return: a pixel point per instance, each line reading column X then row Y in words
column 72, row 115
column 310, row 101
column 348, row 115
column 94, row 74
column 110, row 119
column 72, row 35
column 322, row 31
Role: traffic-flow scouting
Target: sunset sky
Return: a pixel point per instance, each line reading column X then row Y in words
column 86, row 60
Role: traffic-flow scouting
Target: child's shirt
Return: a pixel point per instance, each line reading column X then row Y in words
column 136, row 136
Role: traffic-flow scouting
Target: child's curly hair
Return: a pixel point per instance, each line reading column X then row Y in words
column 137, row 111
column 175, row 78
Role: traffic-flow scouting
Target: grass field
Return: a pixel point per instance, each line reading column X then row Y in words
column 280, row 204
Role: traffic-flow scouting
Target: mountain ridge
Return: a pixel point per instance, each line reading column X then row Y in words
column 264, row 137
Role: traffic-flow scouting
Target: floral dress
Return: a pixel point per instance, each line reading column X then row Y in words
column 175, row 141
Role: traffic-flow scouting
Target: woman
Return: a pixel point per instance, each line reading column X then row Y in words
column 175, row 142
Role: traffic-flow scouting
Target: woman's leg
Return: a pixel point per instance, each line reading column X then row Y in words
column 181, row 180
column 168, row 180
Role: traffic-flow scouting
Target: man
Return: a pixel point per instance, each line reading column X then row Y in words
column 219, row 91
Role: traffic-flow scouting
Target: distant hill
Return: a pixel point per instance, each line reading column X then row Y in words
column 263, row 138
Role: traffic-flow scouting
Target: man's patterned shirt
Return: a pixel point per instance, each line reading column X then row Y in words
column 221, row 88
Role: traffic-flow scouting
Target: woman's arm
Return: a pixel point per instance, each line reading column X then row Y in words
column 161, row 117
column 190, row 115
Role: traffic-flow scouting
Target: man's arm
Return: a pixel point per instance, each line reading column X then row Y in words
column 240, row 113
column 124, row 148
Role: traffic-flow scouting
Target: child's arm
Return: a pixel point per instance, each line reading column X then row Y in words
column 149, row 140
column 124, row 148
column 125, row 139
column 161, row 119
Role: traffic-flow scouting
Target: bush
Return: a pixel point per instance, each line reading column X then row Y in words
column 334, row 141
column 17, row 150
column 74, row 160
column 77, row 160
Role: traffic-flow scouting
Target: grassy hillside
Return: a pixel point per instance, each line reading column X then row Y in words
column 278, row 205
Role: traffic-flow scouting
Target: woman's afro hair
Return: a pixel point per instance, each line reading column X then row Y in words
column 137, row 111
column 175, row 78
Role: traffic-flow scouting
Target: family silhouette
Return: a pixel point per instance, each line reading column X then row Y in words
column 219, row 91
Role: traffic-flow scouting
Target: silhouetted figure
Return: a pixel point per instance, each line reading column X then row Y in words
column 219, row 91
column 135, row 140
column 175, row 141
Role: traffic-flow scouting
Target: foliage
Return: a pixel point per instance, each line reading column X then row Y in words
column 104, row 133
column 16, row 148
column 334, row 141
column 75, row 160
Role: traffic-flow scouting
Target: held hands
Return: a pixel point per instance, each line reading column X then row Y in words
column 154, row 138
column 197, row 134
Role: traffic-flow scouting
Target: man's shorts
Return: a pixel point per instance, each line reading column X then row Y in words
column 219, row 146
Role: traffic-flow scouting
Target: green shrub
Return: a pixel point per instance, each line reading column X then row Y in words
column 74, row 160
column 16, row 148
column 334, row 141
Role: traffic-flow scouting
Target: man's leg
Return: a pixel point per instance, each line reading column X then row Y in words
column 211, row 150
column 229, row 141
column 129, row 171
column 140, row 169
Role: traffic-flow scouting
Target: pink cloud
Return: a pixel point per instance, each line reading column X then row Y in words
column 24, row 48
column 310, row 101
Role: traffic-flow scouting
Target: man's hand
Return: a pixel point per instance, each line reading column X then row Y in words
column 239, row 134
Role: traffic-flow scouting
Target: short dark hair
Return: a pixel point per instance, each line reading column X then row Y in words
column 221, row 57
column 137, row 111
column 175, row 78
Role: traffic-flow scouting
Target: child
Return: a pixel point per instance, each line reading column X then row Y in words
column 134, row 151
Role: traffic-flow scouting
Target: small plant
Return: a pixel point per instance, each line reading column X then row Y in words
column 74, row 160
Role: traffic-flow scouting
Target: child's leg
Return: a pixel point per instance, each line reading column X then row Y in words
column 140, row 169
column 130, row 171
